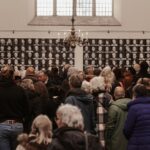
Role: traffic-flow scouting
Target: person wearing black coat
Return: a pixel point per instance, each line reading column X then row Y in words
column 70, row 134
column 84, row 101
column 14, row 109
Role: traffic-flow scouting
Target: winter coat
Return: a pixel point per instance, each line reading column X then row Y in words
column 34, row 102
column 84, row 102
column 67, row 138
column 13, row 101
column 114, row 136
column 32, row 145
column 137, row 126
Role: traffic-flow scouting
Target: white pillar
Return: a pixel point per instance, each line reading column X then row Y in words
column 79, row 57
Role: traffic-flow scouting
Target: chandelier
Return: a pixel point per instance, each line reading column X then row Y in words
column 75, row 38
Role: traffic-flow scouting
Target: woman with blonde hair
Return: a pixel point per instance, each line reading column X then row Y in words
column 109, row 77
column 40, row 136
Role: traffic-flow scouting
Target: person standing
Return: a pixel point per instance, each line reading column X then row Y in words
column 70, row 133
column 83, row 100
column 117, row 113
column 13, row 109
column 137, row 125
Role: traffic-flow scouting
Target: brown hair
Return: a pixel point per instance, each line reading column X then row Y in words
column 7, row 72
column 75, row 81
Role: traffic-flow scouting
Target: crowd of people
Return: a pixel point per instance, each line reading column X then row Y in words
column 70, row 109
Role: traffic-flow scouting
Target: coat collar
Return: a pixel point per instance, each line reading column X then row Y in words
column 139, row 100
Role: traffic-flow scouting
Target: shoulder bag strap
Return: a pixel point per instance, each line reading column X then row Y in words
column 86, row 141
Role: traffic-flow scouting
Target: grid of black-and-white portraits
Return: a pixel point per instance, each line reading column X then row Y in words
column 116, row 52
column 45, row 53
column 40, row 53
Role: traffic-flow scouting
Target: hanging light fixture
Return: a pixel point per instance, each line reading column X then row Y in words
column 75, row 38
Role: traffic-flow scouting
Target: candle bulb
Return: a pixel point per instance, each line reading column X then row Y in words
column 58, row 35
column 64, row 35
column 82, row 35
column 86, row 35
column 79, row 32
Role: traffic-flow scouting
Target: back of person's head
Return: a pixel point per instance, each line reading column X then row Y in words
column 97, row 71
column 119, row 92
column 42, row 76
column 41, row 89
column 17, row 75
column 109, row 76
column 81, row 75
column 22, row 139
column 27, row 84
column 30, row 71
column 66, row 66
column 89, row 70
column 75, row 81
column 42, row 130
column 54, row 70
column 139, row 90
column 71, row 71
column 86, row 86
column 118, row 74
column 70, row 116
column 146, row 83
column 98, row 84
column 7, row 72
column 106, row 71
column 132, row 71
column 144, row 66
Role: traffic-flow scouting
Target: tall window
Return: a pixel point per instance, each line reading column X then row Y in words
column 76, row 7
column 64, row 8
column 103, row 7
column 84, row 8
column 44, row 7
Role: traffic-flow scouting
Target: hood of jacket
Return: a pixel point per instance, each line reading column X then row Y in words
column 139, row 100
column 70, row 138
column 80, row 95
column 122, row 103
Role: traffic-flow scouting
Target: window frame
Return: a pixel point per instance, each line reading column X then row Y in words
column 79, row 20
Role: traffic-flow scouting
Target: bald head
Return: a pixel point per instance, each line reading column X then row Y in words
column 119, row 92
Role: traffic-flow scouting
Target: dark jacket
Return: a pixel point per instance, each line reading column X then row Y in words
column 13, row 101
column 114, row 136
column 32, row 145
column 35, row 108
column 67, row 138
column 137, row 126
column 84, row 102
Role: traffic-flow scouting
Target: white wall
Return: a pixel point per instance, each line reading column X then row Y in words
column 16, row 14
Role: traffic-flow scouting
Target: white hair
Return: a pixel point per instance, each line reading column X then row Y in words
column 71, row 116
column 86, row 86
column 98, row 83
